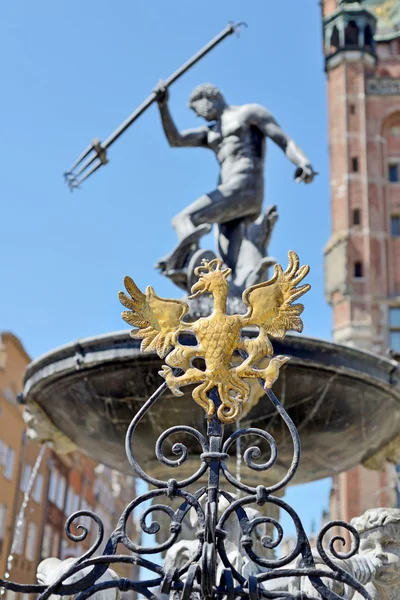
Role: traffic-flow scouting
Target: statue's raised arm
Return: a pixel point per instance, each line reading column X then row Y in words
column 176, row 139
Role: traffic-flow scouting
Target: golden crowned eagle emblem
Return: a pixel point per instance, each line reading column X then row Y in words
column 159, row 322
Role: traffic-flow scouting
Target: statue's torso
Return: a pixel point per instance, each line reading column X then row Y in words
column 238, row 144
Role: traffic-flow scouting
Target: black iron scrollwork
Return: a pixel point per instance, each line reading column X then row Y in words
column 209, row 572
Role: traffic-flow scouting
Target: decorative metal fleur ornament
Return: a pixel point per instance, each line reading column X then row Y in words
column 270, row 306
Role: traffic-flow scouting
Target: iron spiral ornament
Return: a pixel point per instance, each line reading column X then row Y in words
column 199, row 576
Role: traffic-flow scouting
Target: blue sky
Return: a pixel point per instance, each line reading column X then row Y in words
column 73, row 71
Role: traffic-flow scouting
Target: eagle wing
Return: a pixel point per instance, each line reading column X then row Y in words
column 270, row 304
column 157, row 319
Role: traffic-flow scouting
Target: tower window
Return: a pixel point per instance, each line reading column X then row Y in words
column 352, row 109
column 394, row 172
column 394, row 332
column 354, row 164
column 351, row 34
column 395, row 225
column 335, row 39
column 368, row 37
column 356, row 216
column 358, row 269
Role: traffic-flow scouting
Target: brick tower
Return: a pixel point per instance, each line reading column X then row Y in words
column 362, row 257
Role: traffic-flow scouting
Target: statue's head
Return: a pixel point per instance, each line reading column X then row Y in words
column 47, row 570
column 379, row 530
column 207, row 101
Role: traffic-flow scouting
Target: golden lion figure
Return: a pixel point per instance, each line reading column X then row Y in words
column 159, row 322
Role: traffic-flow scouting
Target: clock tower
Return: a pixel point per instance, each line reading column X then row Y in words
column 362, row 256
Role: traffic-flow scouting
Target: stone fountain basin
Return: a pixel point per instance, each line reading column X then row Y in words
column 344, row 402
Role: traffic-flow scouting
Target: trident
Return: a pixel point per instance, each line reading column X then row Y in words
column 95, row 154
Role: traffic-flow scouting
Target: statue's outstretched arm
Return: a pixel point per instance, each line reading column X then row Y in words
column 263, row 119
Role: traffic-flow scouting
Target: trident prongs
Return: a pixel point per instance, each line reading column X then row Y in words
column 79, row 172
column 97, row 150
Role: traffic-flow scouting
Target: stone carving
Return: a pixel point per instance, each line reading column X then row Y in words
column 376, row 566
column 236, row 134
column 159, row 323
column 379, row 530
column 50, row 569
column 40, row 429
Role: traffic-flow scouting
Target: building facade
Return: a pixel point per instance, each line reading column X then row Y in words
column 362, row 257
column 63, row 485
column 17, row 457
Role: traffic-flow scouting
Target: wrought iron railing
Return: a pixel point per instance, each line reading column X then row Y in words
column 210, row 571
column 199, row 575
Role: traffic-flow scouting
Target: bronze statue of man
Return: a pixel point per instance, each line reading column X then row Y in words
column 237, row 135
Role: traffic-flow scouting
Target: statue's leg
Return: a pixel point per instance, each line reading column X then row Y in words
column 228, row 207
column 184, row 223
column 229, row 241
column 177, row 259
column 227, row 203
column 251, row 259
column 241, row 205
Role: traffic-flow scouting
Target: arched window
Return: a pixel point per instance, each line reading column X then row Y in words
column 351, row 34
column 334, row 43
column 368, row 37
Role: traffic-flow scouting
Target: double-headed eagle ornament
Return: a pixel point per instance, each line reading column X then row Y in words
column 159, row 322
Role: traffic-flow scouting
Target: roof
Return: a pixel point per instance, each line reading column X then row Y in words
column 8, row 336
